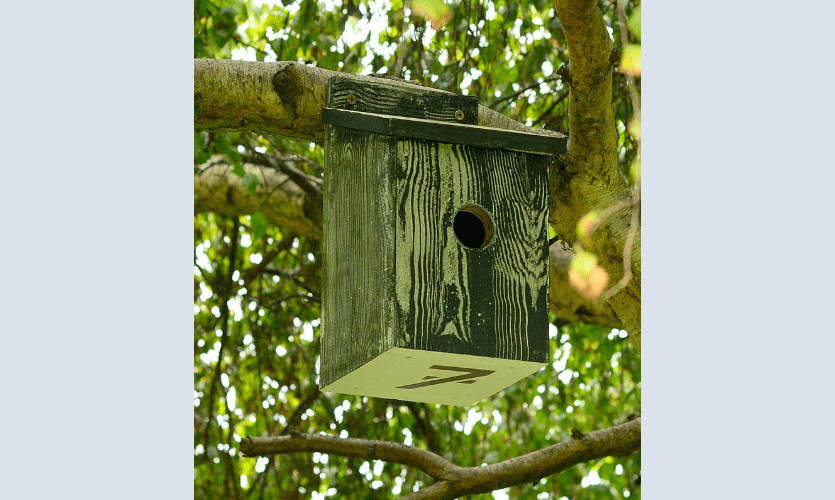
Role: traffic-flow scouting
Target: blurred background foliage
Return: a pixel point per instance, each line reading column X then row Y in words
column 256, row 286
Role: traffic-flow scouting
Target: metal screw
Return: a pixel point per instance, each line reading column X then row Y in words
column 351, row 99
column 459, row 115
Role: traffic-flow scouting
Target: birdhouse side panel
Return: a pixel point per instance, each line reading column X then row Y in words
column 358, row 319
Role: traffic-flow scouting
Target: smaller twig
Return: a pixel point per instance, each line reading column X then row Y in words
column 310, row 297
column 564, row 73
column 636, row 195
column 308, row 183
column 293, row 276
column 630, row 80
column 401, row 50
column 627, row 247
column 303, row 406
column 432, row 464
column 550, row 108
column 209, row 164
column 609, row 211
column 523, row 90
column 257, row 269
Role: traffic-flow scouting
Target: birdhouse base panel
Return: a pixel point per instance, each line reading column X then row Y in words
column 433, row 377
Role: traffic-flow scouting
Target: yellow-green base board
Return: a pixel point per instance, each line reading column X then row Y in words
column 433, row 377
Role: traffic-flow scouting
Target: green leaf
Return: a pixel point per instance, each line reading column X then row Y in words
column 434, row 11
column 200, row 154
column 635, row 172
column 251, row 182
column 199, row 48
column 583, row 262
column 222, row 146
column 259, row 224
column 630, row 62
column 634, row 23
column 239, row 170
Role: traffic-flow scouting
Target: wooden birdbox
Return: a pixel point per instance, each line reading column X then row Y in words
column 435, row 282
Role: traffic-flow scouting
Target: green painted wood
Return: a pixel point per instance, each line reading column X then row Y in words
column 454, row 133
column 413, row 305
column 358, row 278
column 489, row 301
column 401, row 100
column 432, row 377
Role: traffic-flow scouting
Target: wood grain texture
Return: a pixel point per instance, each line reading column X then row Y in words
column 489, row 301
column 358, row 320
column 412, row 102
column 395, row 272
column 472, row 135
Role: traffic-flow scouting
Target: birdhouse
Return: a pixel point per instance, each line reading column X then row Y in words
column 435, row 280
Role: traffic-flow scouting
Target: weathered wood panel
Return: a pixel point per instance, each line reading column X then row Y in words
column 413, row 102
column 358, row 321
column 520, row 267
column 489, row 301
column 455, row 133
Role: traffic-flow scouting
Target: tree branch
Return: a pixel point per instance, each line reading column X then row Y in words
column 217, row 189
column 256, row 270
column 587, row 177
column 297, row 442
column 454, row 481
column 284, row 99
column 522, row 91
column 301, row 408
column 591, row 118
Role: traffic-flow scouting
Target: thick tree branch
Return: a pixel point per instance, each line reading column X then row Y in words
column 217, row 189
column 591, row 117
column 454, row 481
column 587, row 177
column 283, row 98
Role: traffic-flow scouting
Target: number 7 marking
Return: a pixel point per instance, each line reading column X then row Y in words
column 468, row 377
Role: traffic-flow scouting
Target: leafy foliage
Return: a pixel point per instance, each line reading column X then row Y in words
column 256, row 314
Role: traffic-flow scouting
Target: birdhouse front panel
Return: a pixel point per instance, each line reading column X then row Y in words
column 435, row 284
column 471, row 258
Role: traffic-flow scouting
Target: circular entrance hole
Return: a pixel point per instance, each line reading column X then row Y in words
column 472, row 227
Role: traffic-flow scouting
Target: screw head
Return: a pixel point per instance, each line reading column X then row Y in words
column 352, row 99
column 459, row 115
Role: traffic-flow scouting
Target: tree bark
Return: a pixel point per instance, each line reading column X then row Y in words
column 284, row 99
column 587, row 177
column 217, row 189
column 453, row 481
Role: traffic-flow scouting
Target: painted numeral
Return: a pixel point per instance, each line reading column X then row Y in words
column 469, row 376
